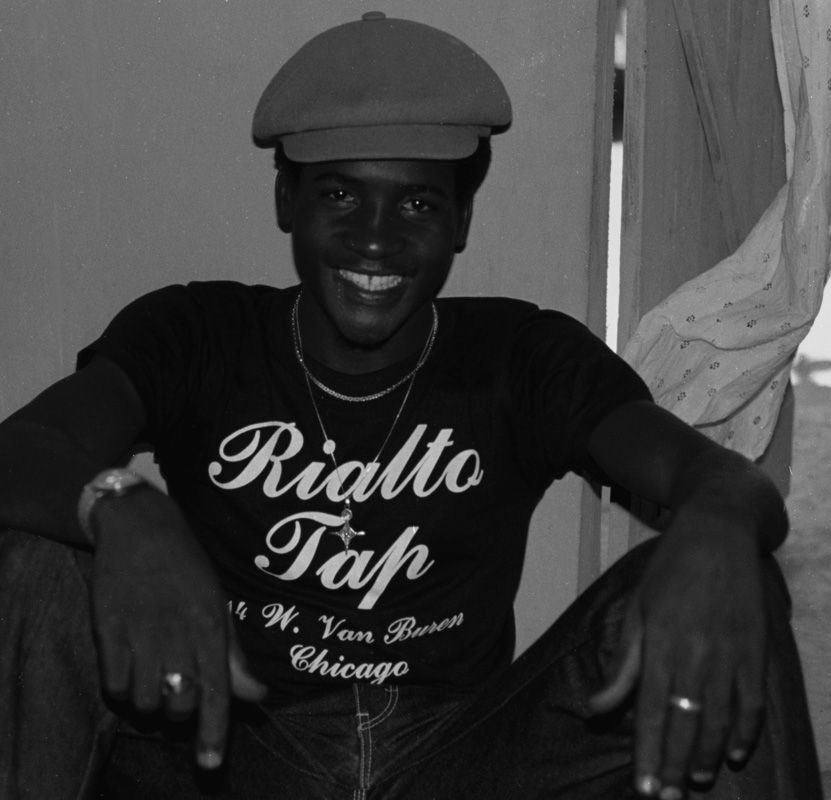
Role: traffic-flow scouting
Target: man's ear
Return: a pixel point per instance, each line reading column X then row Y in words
column 465, row 216
column 284, row 203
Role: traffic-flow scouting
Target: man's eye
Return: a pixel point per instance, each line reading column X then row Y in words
column 416, row 205
column 340, row 196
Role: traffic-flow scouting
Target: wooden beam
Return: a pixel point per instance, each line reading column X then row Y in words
column 589, row 555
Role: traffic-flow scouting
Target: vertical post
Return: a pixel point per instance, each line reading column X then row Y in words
column 589, row 558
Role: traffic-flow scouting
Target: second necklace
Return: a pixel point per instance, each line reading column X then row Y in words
column 346, row 532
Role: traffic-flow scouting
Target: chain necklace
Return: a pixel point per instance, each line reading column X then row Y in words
column 346, row 532
column 298, row 351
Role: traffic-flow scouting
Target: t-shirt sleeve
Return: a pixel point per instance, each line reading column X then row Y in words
column 563, row 381
column 159, row 341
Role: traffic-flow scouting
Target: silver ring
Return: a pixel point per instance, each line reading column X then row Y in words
column 175, row 683
column 685, row 704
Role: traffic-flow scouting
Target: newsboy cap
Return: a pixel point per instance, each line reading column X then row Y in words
column 381, row 88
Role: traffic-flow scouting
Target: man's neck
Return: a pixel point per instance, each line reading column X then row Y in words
column 323, row 342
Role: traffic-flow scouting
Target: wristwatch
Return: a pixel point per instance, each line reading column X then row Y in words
column 116, row 482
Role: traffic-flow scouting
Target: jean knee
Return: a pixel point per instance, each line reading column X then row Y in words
column 42, row 586
column 776, row 588
column 27, row 559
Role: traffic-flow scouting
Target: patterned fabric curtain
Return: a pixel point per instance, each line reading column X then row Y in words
column 718, row 351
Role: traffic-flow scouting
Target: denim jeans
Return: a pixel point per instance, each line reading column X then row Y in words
column 528, row 733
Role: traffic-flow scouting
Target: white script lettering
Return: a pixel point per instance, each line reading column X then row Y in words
column 350, row 568
column 277, row 615
column 330, row 627
column 306, row 659
column 264, row 448
column 406, row 628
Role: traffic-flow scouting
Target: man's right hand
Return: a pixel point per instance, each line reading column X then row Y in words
column 158, row 608
column 159, row 611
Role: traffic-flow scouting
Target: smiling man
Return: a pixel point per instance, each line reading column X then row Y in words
column 352, row 465
column 373, row 242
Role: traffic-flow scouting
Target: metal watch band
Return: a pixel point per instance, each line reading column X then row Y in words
column 115, row 482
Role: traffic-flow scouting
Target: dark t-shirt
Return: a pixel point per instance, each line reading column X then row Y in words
column 503, row 406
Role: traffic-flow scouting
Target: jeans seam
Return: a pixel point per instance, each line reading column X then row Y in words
column 364, row 730
column 392, row 702
column 365, row 742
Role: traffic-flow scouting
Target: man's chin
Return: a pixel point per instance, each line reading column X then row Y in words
column 365, row 341
column 367, row 332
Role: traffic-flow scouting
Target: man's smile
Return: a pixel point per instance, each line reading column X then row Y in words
column 371, row 283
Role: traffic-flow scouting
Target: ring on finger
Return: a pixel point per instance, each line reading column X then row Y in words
column 174, row 683
column 686, row 704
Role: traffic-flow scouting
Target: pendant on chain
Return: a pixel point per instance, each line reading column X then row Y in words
column 346, row 532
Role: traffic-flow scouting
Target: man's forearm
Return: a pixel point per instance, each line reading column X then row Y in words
column 655, row 455
column 42, row 474
column 729, row 486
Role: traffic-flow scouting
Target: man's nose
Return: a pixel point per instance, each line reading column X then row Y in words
column 375, row 232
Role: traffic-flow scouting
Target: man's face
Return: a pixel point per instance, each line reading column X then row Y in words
column 373, row 243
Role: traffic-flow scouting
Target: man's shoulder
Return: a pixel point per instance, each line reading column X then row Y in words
column 486, row 329
column 488, row 313
column 211, row 311
column 224, row 292
column 212, row 300
column 508, row 306
column 211, row 292
column 496, row 331
column 503, row 315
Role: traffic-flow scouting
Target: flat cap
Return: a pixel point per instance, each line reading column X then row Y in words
column 381, row 88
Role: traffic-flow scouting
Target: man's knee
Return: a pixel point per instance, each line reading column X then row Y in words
column 609, row 596
column 52, row 716
column 43, row 591
column 27, row 560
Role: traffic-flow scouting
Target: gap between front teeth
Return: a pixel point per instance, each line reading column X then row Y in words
column 371, row 283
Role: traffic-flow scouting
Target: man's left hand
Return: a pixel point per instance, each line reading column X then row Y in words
column 694, row 651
